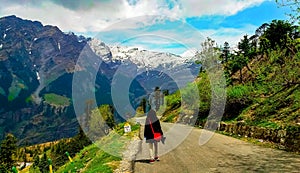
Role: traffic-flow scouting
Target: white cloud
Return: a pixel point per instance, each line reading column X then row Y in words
column 216, row 7
column 65, row 19
column 170, row 36
column 176, row 40
column 230, row 35
column 130, row 19
column 104, row 13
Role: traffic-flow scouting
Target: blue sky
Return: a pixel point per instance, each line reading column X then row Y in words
column 175, row 26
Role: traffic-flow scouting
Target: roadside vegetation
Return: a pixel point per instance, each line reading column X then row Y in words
column 262, row 80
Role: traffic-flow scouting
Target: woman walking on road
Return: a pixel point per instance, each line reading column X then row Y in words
column 153, row 134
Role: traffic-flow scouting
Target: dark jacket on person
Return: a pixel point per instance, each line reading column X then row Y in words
column 153, row 120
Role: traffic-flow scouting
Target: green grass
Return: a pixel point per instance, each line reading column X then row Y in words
column 92, row 159
column 120, row 129
column 29, row 99
column 238, row 91
column 108, row 163
column 104, row 155
column 15, row 88
column 170, row 117
column 56, row 100
column 266, row 124
column 80, row 160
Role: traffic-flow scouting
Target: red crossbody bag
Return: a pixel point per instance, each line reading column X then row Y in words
column 157, row 136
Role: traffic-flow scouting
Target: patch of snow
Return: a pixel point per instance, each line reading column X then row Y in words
column 100, row 49
column 1, row 45
column 149, row 59
column 58, row 45
column 38, row 76
column 4, row 36
column 69, row 33
column 189, row 53
column 35, row 39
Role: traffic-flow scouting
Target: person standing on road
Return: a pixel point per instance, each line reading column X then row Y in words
column 153, row 134
column 156, row 99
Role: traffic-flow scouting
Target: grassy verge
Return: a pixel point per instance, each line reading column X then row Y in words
column 91, row 159
column 104, row 155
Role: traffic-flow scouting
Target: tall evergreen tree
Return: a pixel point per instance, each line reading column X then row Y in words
column 244, row 46
column 7, row 151
column 143, row 104
column 225, row 53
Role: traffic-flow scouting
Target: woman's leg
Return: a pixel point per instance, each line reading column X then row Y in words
column 151, row 151
column 156, row 150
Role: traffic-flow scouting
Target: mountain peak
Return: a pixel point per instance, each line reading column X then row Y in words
column 11, row 17
column 13, row 21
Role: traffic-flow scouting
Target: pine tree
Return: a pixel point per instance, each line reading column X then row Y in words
column 143, row 104
column 225, row 53
column 8, row 151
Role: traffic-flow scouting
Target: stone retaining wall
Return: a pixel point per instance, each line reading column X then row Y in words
column 290, row 139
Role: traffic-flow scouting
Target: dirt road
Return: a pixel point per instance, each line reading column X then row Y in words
column 220, row 154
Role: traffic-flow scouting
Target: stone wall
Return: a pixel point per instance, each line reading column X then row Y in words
column 290, row 139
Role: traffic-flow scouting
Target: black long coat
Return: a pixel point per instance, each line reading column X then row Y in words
column 152, row 118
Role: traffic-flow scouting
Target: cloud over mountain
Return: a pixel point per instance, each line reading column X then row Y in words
column 94, row 15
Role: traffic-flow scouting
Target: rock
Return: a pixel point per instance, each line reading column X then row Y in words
column 288, row 139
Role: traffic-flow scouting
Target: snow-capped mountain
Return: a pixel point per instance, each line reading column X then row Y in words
column 154, row 68
column 143, row 59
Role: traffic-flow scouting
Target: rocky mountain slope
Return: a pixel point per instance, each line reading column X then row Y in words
column 37, row 63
